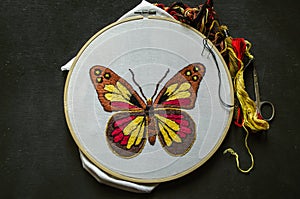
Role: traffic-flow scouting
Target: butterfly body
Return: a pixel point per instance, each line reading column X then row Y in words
column 136, row 121
column 150, row 122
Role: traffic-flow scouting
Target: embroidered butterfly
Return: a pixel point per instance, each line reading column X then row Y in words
column 136, row 120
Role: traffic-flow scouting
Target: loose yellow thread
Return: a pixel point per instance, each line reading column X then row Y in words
column 232, row 152
column 213, row 24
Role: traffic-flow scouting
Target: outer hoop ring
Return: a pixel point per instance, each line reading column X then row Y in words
column 115, row 174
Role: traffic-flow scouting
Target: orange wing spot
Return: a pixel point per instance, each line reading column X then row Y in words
column 196, row 69
column 188, row 73
column 97, row 72
column 195, row 78
column 99, row 79
column 107, row 75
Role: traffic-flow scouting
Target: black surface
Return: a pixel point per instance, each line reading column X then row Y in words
column 38, row 158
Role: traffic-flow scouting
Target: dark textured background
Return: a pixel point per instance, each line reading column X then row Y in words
column 38, row 158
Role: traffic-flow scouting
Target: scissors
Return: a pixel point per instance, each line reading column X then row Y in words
column 260, row 104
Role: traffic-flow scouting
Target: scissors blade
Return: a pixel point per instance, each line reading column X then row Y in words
column 259, row 103
column 256, row 86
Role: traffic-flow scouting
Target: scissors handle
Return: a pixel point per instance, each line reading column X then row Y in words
column 266, row 103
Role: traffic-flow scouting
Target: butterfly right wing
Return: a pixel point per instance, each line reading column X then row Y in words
column 126, row 133
column 176, row 131
column 114, row 93
column 181, row 90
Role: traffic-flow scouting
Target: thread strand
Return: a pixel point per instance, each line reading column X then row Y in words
column 233, row 153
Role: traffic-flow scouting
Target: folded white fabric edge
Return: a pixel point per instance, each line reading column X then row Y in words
column 104, row 178
column 96, row 172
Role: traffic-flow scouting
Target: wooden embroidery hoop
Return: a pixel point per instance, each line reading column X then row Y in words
column 79, row 96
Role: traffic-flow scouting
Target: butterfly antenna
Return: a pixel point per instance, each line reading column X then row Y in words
column 158, row 83
column 140, row 88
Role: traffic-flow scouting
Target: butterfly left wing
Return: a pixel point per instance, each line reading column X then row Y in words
column 114, row 92
column 181, row 90
column 126, row 133
column 176, row 131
